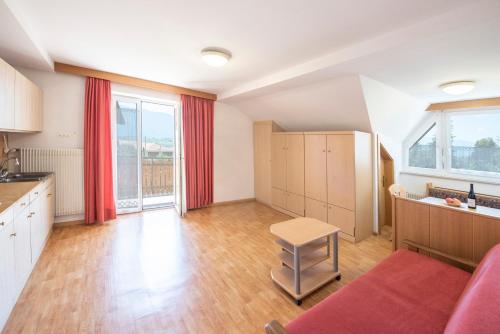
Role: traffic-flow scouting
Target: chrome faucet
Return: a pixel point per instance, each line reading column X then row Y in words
column 4, row 171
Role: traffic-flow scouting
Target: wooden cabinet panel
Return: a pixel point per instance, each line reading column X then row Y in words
column 7, row 95
column 295, row 203
column 20, row 108
column 279, row 198
column 278, row 162
column 486, row 235
column 316, row 209
column 413, row 222
column 315, row 167
column 341, row 171
column 295, row 164
column 7, row 272
column 38, row 228
column 262, row 132
column 22, row 249
column 451, row 232
column 342, row 218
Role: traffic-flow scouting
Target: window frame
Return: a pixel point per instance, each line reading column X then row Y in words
column 443, row 146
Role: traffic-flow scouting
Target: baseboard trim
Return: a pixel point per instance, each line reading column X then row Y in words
column 236, row 201
column 68, row 223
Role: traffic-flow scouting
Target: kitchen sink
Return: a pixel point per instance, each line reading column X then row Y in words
column 24, row 177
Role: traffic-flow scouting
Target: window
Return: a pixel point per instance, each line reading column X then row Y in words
column 423, row 152
column 475, row 141
column 466, row 142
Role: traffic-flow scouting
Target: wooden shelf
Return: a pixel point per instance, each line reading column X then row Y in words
column 310, row 279
column 306, row 261
column 309, row 248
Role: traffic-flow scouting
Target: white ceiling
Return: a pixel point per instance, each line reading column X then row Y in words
column 410, row 45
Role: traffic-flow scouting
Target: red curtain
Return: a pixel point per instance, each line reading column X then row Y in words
column 198, row 130
column 98, row 169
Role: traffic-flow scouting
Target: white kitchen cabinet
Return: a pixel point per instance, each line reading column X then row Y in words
column 22, row 249
column 24, row 229
column 7, row 95
column 7, row 267
column 21, row 102
column 37, row 229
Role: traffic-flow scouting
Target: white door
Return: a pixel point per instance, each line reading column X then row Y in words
column 144, row 148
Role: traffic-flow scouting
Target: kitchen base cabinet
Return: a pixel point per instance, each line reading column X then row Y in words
column 22, row 249
column 7, row 269
column 24, row 230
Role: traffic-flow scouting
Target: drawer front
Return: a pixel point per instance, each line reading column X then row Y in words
column 35, row 193
column 21, row 204
column 6, row 218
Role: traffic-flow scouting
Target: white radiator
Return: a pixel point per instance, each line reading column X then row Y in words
column 67, row 165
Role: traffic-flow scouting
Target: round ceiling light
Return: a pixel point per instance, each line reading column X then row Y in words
column 457, row 87
column 215, row 57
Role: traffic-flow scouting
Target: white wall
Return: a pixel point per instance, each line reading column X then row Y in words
column 64, row 98
column 63, row 104
column 233, row 154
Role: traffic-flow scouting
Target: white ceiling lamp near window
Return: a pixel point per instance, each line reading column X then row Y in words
column 215, row 57
column 457, row 87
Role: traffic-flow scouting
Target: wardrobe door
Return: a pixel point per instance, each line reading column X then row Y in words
column 340, row 171
column 342, row 218
column 262, row 133
column 315, row 167
column 316, row 209
column 295, row 204
column 295, row 164
column 278, row 198
column 278, row 161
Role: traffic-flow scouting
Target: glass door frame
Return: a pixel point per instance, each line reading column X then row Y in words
column 138, row 118
column 138, row 100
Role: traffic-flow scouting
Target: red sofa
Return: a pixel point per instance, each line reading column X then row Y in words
column 409, row 293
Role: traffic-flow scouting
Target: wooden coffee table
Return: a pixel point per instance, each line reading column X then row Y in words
column 304, row 258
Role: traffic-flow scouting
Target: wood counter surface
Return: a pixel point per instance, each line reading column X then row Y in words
column 13, row 191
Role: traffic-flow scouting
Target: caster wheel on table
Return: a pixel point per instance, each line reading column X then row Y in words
column 298, row 302
column 338, row 278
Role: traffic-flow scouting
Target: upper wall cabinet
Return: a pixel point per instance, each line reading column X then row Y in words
column 21, row 102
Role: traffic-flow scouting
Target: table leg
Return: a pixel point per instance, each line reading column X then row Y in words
column 328, row 240
column 335, row 252
column 296, row 266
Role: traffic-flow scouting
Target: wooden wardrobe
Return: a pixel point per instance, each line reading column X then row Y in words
column 325, row 175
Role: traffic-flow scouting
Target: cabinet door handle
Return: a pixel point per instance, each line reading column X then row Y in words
column 23, row 203
column 29, row 216
column 13, row 235
column 36, row 192
column 48, row 195
column 32, row 213
column 2, row 223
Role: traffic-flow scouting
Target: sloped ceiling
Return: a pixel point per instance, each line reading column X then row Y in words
column 336, row 104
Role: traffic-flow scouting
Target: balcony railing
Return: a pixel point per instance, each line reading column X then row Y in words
column 157, row 177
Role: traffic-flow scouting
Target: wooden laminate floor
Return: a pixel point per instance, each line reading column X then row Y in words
column 157, row 273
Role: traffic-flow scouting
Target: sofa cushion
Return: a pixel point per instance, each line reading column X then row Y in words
column 405, row 293
column 478, row 309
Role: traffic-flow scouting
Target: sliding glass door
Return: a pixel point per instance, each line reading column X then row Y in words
column 144, row 149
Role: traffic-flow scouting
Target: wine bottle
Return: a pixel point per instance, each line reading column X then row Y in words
column 471, row 198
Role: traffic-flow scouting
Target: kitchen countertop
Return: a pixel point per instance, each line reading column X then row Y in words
column 480, row 210
column 13, row 191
